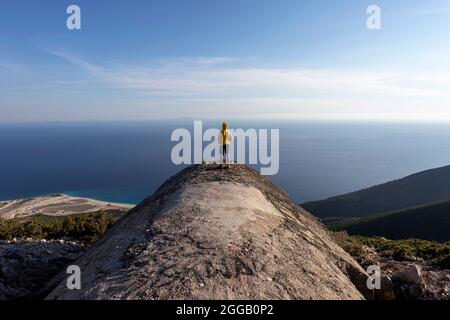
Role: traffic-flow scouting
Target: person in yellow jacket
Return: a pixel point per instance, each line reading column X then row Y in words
column 225, row 138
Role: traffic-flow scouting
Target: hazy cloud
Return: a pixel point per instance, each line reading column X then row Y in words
column 210, row 87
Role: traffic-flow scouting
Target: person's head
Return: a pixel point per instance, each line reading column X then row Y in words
column 224, row 126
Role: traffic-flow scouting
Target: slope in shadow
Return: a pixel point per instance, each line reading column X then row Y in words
column 417, row 189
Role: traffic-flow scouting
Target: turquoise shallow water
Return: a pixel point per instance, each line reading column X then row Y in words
column 125, row 162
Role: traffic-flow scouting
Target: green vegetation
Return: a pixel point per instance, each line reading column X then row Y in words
column 429, row 222
column 418, row 189
column 85, row 227
column 417, row 206
column 437, row 253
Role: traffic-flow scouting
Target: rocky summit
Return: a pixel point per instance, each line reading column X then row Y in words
column 216, row 232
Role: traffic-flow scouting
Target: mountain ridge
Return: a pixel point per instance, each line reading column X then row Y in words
column 216, row 232
column 429, row 221
column 417, row 189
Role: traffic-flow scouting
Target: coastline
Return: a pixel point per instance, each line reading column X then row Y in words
column 56, row 205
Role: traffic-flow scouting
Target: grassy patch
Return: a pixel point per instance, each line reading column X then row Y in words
column 85, row 227
column 435, row 252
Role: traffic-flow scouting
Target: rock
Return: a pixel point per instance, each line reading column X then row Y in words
column 402, row 279
column 413, row 292
column 27, row 267
column 411, row 275
column 202, row 235
column 387, row 290
column 409, row 283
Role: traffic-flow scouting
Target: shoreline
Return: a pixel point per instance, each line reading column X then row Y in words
column 71, row 195
column 58, row 204
column 121, row 204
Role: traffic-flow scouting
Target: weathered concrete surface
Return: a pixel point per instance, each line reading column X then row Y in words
column 215, row 232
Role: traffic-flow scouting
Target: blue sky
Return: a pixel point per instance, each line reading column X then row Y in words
column 214, row 59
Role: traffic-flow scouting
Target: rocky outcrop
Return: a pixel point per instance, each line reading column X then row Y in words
column 26, row 267
column 410, row 275
column 410, row 279
column 216, row 232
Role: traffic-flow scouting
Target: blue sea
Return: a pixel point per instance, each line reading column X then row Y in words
column 126, row 162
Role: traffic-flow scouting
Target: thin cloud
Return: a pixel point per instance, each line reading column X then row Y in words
column 192, row 86
column 185, row 77
column 429, row 11
column 12, row 67
column 432, row 12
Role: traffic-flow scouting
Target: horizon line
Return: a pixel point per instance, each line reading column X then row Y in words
column 262, row 119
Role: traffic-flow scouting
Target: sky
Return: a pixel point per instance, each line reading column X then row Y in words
column 202, row 59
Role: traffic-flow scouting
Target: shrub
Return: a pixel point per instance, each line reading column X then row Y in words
column 350, row 244
column 444, row 262
column 85, row 227
column 435, row 252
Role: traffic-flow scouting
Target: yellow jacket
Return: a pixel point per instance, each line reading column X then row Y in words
column 225, row 137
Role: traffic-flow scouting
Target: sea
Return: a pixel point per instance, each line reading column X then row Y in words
column 125, row 162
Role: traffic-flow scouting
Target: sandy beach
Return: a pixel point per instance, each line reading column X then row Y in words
column 55, row 205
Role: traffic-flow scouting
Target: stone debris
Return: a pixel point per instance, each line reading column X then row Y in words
column 412, row 279
column 27, row 266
